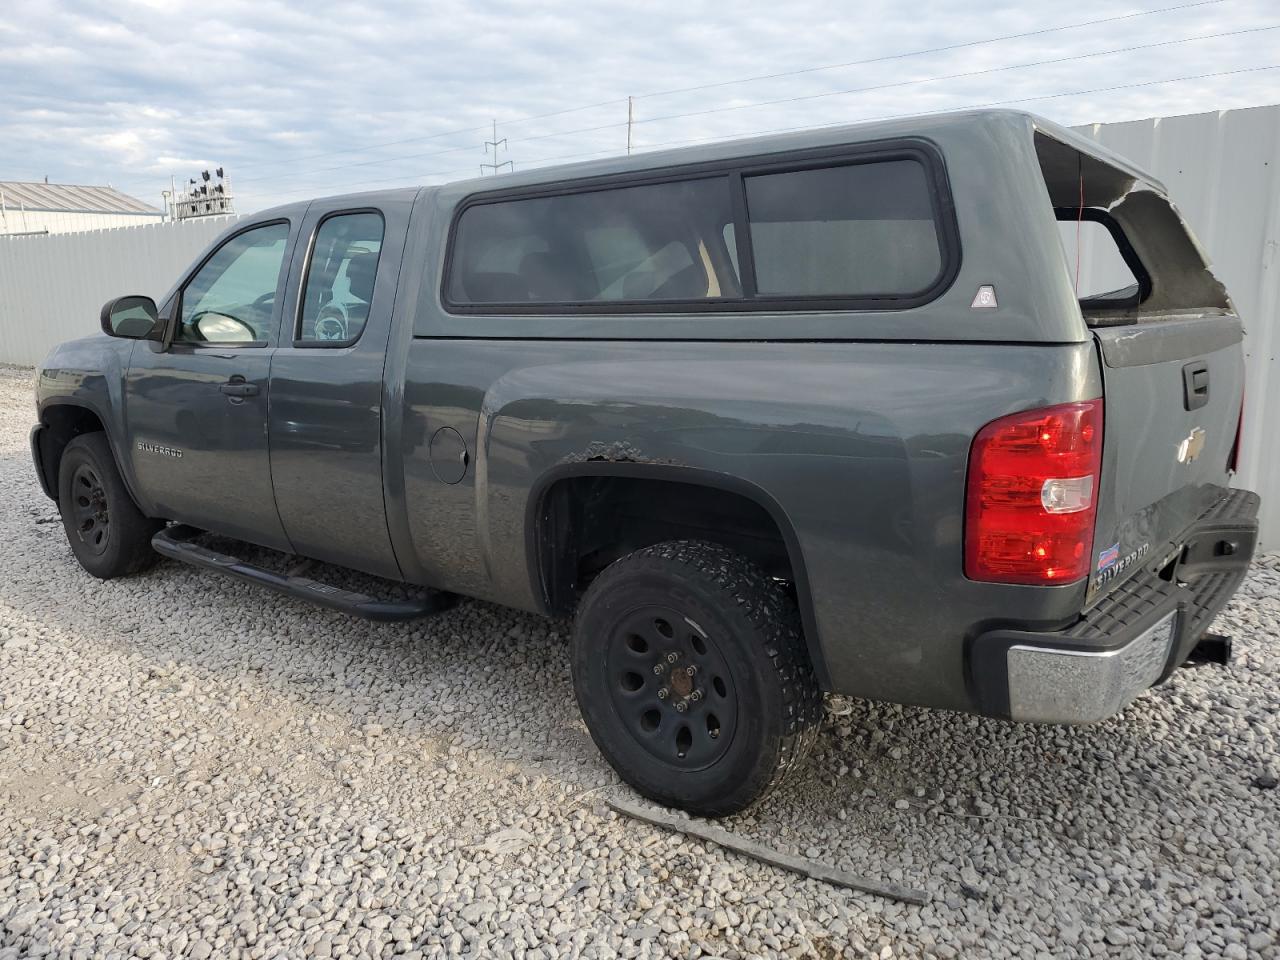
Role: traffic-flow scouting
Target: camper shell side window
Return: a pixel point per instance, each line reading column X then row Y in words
column 851, row 228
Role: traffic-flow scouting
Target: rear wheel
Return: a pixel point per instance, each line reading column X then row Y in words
column 691, row 674
column 107, row 532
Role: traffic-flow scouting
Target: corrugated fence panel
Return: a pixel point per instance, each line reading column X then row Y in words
column 52, row 287
column 1223, row 171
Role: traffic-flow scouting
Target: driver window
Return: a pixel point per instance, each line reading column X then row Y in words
column 340, row 276
column 230, row 299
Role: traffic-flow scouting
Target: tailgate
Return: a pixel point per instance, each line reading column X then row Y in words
column 1172, row 394
column 1169, row 348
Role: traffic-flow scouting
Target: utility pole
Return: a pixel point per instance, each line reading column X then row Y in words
column 495, row 143
column 631, row 113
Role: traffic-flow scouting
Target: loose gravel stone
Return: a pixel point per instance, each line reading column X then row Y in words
column 192, row 767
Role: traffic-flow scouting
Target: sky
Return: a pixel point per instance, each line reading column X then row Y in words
column 298, row 99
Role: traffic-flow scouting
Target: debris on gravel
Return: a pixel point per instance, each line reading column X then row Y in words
column 192, row 767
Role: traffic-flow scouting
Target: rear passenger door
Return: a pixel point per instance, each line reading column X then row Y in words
column 327, row 382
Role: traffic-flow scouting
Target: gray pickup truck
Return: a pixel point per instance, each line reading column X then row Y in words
column 835, row 411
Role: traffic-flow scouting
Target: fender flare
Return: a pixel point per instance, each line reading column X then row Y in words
column 535, row 518
column 37, row 449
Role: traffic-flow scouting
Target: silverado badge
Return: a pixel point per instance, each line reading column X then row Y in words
column 146, row 446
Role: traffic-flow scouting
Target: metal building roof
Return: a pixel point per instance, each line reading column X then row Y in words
column 70, row 198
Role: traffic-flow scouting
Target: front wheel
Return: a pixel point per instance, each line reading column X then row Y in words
column 107, row 532
column 692, row 677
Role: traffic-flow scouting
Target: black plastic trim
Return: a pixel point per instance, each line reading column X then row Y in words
column 535, row 521
column 920, row 150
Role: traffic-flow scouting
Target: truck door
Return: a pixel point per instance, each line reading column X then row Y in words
column 196, row 407
column 326, row 383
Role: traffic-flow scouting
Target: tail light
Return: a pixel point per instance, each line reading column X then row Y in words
column 1031, row 501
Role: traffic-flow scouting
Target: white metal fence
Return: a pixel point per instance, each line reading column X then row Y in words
column 1222, row 169
column 52, row 287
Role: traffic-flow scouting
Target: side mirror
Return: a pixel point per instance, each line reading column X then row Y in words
column 134, row 318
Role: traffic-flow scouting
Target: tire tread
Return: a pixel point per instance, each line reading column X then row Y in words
column 776, row 625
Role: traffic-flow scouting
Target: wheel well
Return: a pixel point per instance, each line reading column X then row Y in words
column 587, row 522
column 63, row 423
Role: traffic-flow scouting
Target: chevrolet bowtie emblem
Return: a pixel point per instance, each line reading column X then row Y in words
column 1191, row 446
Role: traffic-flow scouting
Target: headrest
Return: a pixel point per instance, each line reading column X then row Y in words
column 362, row 270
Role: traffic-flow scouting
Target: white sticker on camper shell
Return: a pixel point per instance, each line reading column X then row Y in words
column 985, row 298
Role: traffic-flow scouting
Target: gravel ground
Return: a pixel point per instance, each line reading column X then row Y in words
column 192, row 767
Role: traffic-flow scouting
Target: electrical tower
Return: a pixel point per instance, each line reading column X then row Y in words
column 496, row 143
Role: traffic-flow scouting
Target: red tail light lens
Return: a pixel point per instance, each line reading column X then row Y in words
column 1031, row 501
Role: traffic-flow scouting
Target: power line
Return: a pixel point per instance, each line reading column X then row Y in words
column 1044, row 31
column 788, row 73
column 451, row 133
column 943, row 49
column 613, row 151
column 358, row 163
column 973, row 106
column 958, row 76
column 736, row 107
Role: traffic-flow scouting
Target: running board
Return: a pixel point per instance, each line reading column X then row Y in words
column 175, row 542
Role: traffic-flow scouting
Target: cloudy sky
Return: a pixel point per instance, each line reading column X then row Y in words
column 306, row 98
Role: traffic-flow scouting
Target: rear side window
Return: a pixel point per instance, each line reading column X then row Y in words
column 645, row 243
column 863, row 230
column 340, row 278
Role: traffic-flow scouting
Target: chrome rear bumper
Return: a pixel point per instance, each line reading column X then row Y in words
column 1081, row 686
column 1133, row 639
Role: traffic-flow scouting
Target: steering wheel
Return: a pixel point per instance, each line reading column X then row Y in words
column 265, row 299
column 331, row 324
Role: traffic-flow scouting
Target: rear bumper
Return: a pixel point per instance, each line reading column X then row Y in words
column 1134, row 638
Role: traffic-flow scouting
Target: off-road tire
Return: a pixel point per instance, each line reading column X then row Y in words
column 740, row 632
column 106, row 531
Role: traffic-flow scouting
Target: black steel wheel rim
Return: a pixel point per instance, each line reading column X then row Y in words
column 670, row 686
column 89, row 508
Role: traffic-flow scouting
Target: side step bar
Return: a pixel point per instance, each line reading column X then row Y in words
column 175, row 542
